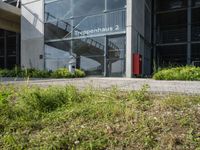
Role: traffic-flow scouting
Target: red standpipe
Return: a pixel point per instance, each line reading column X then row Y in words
column 137, row 64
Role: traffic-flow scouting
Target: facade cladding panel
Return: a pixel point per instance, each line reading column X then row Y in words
column 177, row 32
column 92, row 31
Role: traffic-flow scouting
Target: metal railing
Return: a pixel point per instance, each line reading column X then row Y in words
column 67, row 27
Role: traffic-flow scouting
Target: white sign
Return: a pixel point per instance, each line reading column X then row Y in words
column 97, row 30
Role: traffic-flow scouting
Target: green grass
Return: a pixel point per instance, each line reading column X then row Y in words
column 190, row 73
column 66, row 118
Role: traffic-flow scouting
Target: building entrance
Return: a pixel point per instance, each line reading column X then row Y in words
column 115, row 56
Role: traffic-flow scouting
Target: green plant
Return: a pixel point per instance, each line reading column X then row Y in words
column 67, row 118
column 79, row 73
column 34, row 73
column 178, row 73
column 61, row 73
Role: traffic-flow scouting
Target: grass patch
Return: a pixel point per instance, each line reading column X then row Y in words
column 34, row 73
column 190, row 73
column 66, row 118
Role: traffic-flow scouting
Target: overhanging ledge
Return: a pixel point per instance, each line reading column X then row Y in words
column 9, row 17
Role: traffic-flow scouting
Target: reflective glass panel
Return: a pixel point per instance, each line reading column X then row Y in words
column 116, row 47
column 58, row 29
column 88, row 7
column 116, row 68
column 116, row 4
column 116, row 56
column 11, row 46
column 57, row 9
column 57, row 54
column 92, row 65
column 1, row 47
column 89, row 46
column 100, row 24
column 1, row 62
column 89, row 25
column 116, row 21
column 11, row 62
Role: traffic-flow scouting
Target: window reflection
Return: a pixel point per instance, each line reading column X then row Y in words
column 57, row 54
column 100, row 24
column 116, row 56
column 92, row 65
column 88, row 7
column 116, row 4
column 80, row 28
column 116, row 68
column 58, row 29
column 57, row 9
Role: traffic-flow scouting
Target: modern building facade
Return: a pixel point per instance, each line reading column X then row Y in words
column 102, row 36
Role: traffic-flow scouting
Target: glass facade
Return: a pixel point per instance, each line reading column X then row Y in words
column 89, row 30
column 9, row 49
column 176, row 32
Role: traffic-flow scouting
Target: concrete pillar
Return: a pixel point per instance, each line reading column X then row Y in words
column 155, row 60
column 129, row 37
column 32, row 34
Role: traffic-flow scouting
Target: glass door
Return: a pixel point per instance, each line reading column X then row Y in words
column 115, row 56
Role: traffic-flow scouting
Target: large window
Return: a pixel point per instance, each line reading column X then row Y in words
column 57, row 54
column 80, row 28
column 115, row 4
column 88, row 7
column 77, row 18
column 57, row 9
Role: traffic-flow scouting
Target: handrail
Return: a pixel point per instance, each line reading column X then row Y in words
column 98, row 45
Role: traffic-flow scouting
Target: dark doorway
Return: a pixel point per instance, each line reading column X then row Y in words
column 9, row 49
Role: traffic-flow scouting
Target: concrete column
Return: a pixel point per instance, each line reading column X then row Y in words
column 189, row 28
column 32, row 34
column 155, row 60
column 129, row 37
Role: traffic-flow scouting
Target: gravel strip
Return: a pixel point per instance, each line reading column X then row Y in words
column 185, row 87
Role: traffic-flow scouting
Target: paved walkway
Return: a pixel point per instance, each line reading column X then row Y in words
column 186, row 87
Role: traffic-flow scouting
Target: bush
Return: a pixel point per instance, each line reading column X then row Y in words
column 60, row 73
column 79, row 73
column 34, row 73
column 190, row 73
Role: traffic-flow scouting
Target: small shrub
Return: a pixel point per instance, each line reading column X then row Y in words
column 61, row 73
column 34, row 73
column 190, row 73
column 79, row 73
column 47, row 100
